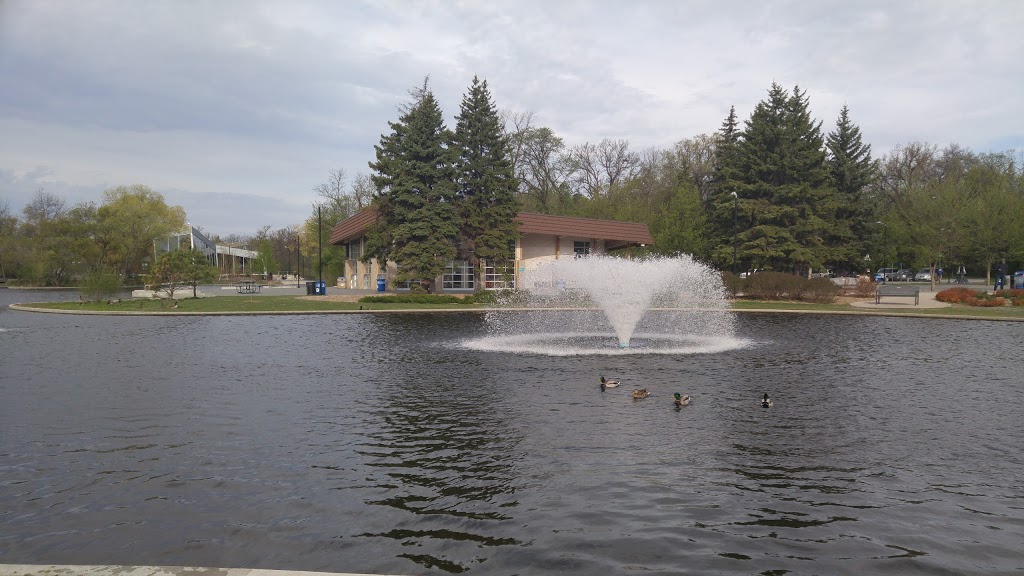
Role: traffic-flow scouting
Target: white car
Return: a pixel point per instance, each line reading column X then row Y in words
column 923, row 275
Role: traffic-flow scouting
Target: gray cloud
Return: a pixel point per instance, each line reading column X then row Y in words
column 239, row 108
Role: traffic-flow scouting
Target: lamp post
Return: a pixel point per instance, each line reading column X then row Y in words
column 885, row 247
column 320, row 252
column 735, row 227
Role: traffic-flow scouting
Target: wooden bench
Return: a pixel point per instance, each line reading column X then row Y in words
column 890, row 290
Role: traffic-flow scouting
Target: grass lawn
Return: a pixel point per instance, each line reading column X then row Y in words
column 297, row 304
column 240, row 304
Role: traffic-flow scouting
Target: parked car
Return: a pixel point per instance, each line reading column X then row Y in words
column 904, row 275
column 886, row 274
column 923, row 275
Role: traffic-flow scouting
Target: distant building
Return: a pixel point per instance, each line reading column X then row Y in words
column 542, row 238
column 229, row 259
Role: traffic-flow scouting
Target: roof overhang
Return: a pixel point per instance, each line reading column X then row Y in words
column 615, row 234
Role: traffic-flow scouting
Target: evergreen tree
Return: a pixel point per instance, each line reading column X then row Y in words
column 414, row 173
column 784, row 185
column 722, row 206
column 852, row 171
column 486, row 183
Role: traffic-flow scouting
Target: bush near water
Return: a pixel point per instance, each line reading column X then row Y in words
column 981, row 298
column 781, row 286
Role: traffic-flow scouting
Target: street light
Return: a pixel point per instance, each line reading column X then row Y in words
column 735, row 211
column 885, row 247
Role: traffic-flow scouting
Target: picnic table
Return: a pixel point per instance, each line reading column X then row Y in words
column 248, row 287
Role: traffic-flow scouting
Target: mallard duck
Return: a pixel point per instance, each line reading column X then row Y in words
column 608, row 383
column 680, row 400
column 767, row 402
column 640, row 393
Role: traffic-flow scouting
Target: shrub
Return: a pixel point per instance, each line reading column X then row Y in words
column 485, row 297
column 985, row 302
column 865, row 288
column 956, row 295
column 412, row 299
column 773, row 286
column 98, row 286
column 820, row 290
column 734, row 285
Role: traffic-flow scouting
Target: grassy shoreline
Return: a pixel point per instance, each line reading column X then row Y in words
column 301, row 305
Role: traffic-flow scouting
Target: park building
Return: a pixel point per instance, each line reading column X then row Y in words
column 230, row 260
column 541, row 238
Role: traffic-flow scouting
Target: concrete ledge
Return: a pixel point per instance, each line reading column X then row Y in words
column 179, row 293
column 76, row 570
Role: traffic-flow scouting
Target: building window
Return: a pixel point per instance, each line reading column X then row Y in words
column 499, row 275
column 355, row 249
column 458, row 276
column 581, row 249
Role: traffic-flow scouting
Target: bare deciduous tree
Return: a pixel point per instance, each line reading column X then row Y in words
column 599, row 167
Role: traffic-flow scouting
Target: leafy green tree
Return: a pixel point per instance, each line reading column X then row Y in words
column 994, row 214
column 198, row 270
column 852, row 171
column 169, row 272
column 99, row 285
column 487, row 187
column 417, row 224
column 264, row 262
column 136, row 216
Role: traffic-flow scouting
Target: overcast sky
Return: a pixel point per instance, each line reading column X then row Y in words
column 236, row 110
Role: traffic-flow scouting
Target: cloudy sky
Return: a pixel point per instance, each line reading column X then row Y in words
column 235, row 110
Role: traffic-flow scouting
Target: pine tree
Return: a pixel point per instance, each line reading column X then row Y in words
column 784, row 185
column 852, row 171
column 417, row 226
column 486, row 183
column 723, row 203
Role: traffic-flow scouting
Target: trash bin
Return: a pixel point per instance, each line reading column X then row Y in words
column 320, row 288
column 310, row 288
column 381, row 284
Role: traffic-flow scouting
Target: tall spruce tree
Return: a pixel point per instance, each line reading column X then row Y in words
column 418, row 225
column 784, row 185
column 852, row 171
column 486, row 183
column 722, row 207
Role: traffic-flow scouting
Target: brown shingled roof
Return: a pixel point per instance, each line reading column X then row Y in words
column 353, row 227
column 529, row 223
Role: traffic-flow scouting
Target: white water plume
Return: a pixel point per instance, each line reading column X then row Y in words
column 608, row 305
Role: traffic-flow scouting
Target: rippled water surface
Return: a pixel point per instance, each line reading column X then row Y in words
column 382, row 444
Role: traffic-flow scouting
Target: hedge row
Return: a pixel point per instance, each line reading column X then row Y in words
column 487, row 297
column 981, row 298
column 781, row 286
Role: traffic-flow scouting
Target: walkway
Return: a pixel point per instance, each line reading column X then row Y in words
column 927, row 300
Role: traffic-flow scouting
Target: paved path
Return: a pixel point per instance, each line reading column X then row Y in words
column 75, row 570
column 927, row 300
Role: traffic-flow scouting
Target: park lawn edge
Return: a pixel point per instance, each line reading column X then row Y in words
column 298, row 305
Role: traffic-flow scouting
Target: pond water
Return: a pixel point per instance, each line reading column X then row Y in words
column 385, row 444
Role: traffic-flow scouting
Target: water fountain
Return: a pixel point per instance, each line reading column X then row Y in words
column 607, row 305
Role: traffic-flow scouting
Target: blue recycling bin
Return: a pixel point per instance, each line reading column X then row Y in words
column 381, row 284
column 320, row 288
